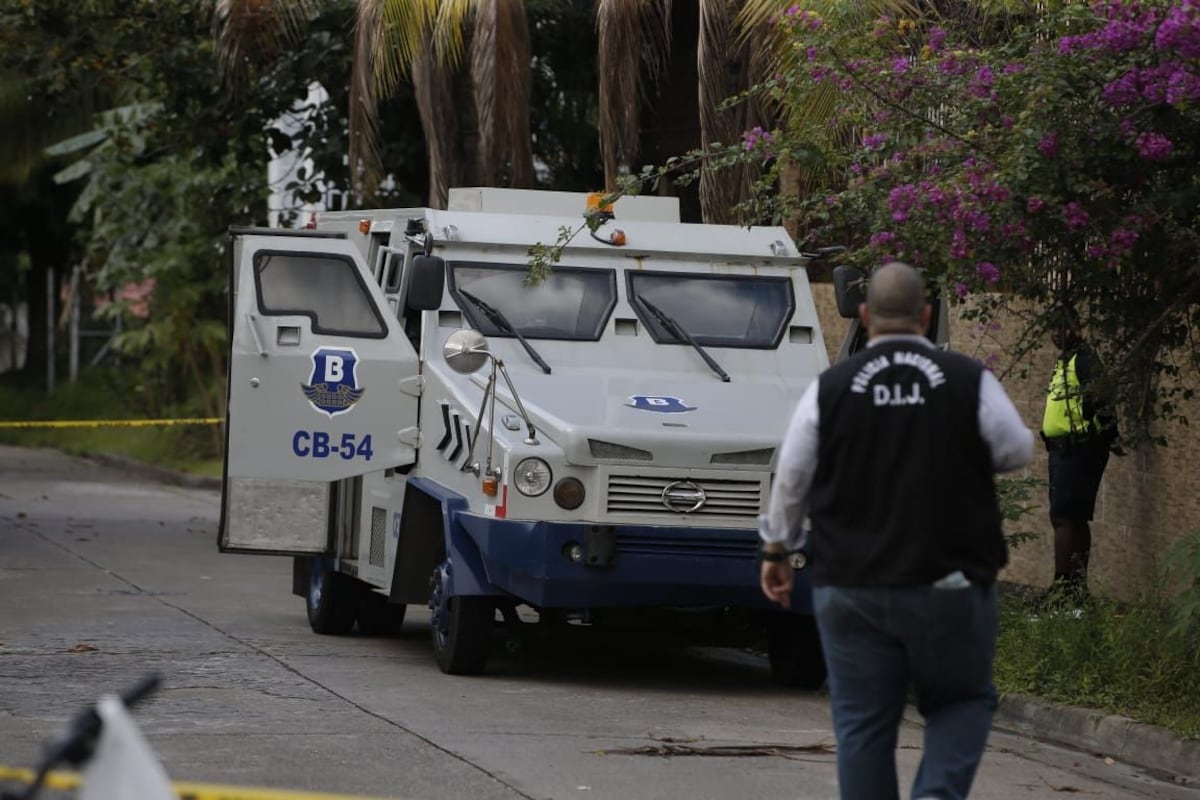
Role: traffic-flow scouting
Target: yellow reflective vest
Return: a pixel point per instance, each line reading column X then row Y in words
column 1064, row 403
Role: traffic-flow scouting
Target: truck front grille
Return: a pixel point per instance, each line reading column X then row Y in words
column 643, row 495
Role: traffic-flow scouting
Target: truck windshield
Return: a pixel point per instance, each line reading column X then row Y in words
column 573, row 303
column 716, row 310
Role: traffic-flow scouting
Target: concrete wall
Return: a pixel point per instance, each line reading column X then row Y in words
column 1149, row 499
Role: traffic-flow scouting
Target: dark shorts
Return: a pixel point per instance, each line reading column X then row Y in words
column 1075, row 475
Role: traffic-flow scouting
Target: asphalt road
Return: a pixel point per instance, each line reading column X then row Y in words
column 104, row 577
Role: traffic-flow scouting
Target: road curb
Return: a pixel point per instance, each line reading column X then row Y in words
column 1149, row 747
column 156, row 473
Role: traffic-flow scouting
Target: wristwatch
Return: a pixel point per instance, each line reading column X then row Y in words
column 796, row 558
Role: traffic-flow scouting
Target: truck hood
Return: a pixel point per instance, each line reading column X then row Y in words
column 684, row 420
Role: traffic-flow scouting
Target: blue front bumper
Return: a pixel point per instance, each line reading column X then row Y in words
column 650, row 565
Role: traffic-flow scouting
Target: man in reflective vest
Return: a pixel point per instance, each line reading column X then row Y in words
column 1079, row 430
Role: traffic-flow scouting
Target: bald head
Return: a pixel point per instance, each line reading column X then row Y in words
column 896, row 301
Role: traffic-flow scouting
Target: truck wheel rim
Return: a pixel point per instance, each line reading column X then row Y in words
column 315, row 592
column 440, row 604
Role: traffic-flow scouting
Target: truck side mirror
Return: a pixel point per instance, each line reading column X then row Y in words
column 427, row 283
column 465, row 350
column 849, row 287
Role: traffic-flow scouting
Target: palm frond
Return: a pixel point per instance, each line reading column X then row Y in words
column 755, row 20
column 760, row 12
column 656, row 39
column 412, row 26
column 405, row 30
column 452, row 18
column 251, row 30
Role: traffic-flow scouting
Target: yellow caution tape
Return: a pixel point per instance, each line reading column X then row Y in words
column 216, row 791
column 64, row 781
column 54, row 780
column 108, row 423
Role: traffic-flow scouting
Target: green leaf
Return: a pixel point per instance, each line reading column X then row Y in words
column 76, row 143
column 73, row 172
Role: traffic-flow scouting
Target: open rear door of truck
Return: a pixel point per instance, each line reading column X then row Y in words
column 323, row 385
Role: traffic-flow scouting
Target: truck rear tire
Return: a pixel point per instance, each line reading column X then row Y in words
column 378, row 617
column 461, row 643
column 794, row 650
column 331, row 602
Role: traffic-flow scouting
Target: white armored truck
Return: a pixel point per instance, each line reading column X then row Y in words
column 415, row 424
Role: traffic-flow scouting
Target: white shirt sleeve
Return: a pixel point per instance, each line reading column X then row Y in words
column 1010, row 441
column 794, row 471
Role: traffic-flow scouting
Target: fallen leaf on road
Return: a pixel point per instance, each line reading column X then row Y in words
column 82, row 648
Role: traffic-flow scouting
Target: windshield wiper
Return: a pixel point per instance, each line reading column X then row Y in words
column 675, row 328
column 501, row 322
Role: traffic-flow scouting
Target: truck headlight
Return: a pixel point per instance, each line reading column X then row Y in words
column 532, row 476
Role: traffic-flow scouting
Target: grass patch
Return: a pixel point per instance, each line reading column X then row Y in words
column 101, row 395
column 1130, row 659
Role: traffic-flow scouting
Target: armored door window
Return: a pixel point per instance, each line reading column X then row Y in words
column 326, row 288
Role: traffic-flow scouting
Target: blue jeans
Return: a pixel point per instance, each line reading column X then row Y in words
column 877, row 642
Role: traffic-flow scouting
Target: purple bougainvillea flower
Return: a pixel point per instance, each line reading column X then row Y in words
column 1180, row 30
column 1154, row 146
column 874, row 141
column 1075, row 216
column 987, row 271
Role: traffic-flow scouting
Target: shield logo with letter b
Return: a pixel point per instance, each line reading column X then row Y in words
column 332, row 387
column 665, row 405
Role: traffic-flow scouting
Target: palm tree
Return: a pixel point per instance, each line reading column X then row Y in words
column 476, row 120
column 469, row 62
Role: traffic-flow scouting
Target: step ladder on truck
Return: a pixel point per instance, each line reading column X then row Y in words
column 414, row 424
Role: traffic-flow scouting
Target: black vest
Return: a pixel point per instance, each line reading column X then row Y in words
column 904, row 491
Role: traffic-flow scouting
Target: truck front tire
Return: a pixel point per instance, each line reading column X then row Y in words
column 331, row 601
column 463, row 636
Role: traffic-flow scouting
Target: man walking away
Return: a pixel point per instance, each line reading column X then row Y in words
column 891, row 456
column 1079, row 431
